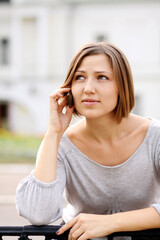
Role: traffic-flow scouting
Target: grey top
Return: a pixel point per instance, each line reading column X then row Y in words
column 93, row 188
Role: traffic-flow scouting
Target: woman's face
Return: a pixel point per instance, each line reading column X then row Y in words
column 94, row 88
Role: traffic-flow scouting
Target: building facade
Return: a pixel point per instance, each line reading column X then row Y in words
column 38, row 38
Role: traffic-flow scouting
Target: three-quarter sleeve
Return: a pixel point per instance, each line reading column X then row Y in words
column 39, row 202
column 156, row 156
column 157, row 207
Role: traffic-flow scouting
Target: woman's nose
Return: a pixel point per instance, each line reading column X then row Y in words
column 89, row 87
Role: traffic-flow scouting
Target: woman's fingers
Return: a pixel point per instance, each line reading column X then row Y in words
column 77, row 230
column 59, row 93
column 67, row 226
column 75, row 234
column 59, row 119
column 62, row 103
column 87, row 226
column 58, row 99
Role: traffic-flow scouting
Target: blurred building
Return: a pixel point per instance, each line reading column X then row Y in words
column 38, row 38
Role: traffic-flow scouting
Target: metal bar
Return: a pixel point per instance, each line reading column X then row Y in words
column 150, row 234
column 48, row 238
column 23, row 237
column 11, row 231
column 110, row 237
column 49, row 232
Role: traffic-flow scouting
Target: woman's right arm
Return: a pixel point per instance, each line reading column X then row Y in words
column 58, row 122
column 39, row 196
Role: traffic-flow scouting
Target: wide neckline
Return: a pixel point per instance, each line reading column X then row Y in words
column 107, row 166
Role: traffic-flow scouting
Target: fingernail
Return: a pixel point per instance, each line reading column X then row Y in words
column 57, row 232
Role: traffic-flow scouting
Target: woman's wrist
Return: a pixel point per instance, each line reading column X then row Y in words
column 114, row 223
column 117, row 220
column 136, row 220
column 52, row 133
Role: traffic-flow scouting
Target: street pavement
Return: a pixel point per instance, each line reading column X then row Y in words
column 10, row 176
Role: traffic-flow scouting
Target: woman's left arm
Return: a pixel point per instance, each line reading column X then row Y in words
column 86, row 226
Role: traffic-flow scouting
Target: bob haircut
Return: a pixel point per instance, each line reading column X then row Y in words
column 121, row 73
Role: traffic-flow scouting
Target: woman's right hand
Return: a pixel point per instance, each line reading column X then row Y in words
column 58, row 119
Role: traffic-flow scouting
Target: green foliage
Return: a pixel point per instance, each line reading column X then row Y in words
column 18, row 148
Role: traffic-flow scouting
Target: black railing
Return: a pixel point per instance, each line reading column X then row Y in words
column 23, row 233
column 49, row 232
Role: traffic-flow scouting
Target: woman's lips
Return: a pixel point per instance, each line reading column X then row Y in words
column 90, row 101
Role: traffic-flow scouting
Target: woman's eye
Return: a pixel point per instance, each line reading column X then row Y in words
column 101, row 77
column 79, row 77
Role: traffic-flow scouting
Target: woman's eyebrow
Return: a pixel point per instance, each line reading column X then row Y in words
column 82, row 71
column 103, row 72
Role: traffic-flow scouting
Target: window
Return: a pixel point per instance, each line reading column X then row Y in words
column 3, row 115
column 4, row 51
column 2, row 1
column 101, row 38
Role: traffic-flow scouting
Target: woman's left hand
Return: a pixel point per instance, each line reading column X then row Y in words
column 86, row 226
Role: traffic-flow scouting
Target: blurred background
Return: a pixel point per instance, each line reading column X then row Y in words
column 38, row 39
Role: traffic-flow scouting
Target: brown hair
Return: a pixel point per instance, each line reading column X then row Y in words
column 121, row 71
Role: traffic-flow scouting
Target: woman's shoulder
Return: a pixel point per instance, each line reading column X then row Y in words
column 75, row 130
column 71, row 135
column 146, row 124
column 155, row 123
column 154, row 128
column 145, row 129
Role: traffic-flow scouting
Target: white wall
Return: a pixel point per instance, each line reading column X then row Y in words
column 44, row 38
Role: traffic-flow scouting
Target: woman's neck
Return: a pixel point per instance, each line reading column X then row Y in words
column 106, row 129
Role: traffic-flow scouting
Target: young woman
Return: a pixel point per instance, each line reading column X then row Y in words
column 108, row 163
